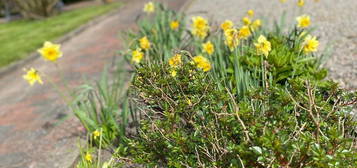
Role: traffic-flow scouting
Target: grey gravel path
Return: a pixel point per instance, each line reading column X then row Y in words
column 335, row 22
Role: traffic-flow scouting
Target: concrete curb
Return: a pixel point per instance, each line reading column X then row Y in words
column 34, row 55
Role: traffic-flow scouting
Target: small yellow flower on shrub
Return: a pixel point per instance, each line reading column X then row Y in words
column 263, row 46
column 244, row 32
column 149, row 7
column 301, row 3
column 174, row 25
column 88, row 157
column 202, row 63
column 173, row 73
column 96, row 134
column 50, row 51
column 189, row 102
column 256, row 24
column 200, row 27
column 208, row 47
column 250, row 13
column 32, row 76
column 227, row 24
column 310, row 44
column 175, row 61
column 246, row 21
column 303, row 21
column 144, row 43
column 137, row 55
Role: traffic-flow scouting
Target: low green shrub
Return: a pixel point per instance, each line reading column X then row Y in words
column 189, row 122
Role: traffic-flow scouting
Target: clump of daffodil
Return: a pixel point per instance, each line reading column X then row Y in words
column 310, row 44
column 174, row 25
column 144, row 43
column 244, row 32
column 231, row 38
column 301, row 3
column 246, row 21
column 227, row 24
column 175, row 61
column 208, row 47
column 202, row 63
column 50, row 51
column 263, row 46
column 303, row 21
column 149, row 7
column 200, row 27
column 88, row 157
column 96, row 134
column 256, row 24
column 137, row 55
column 250, row 13
column 32, row 76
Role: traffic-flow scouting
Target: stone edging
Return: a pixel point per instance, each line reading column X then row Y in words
column 68, row 36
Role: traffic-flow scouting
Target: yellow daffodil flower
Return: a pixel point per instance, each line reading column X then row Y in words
column 174, row 25
column 246, row 21
column 227, row 24
column 303, row 21
column 282, row 1
column 208, row 47
column 137, row 55
column 175, row 61
column 144, row 43
column 50, row 51
column 256, row 24
column 149, row 7
column 231, row 38
column 200, row 27
column 199, row 22
column 250, row 13
column 96, row 134
column 310, row 44
column 32, row 76
column 244, row 32
column 301, row 3
column 202, row 63
column 88, row 157
column 263, row 46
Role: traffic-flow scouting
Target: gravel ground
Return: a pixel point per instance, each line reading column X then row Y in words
column 334, row 20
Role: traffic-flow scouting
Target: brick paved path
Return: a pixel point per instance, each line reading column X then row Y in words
column 36, row 128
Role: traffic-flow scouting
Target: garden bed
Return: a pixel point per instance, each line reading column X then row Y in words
column 228, row 95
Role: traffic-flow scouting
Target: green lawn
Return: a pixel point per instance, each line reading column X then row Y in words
column 19, row 38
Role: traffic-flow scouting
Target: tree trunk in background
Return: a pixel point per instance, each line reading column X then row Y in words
column 36, row 9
